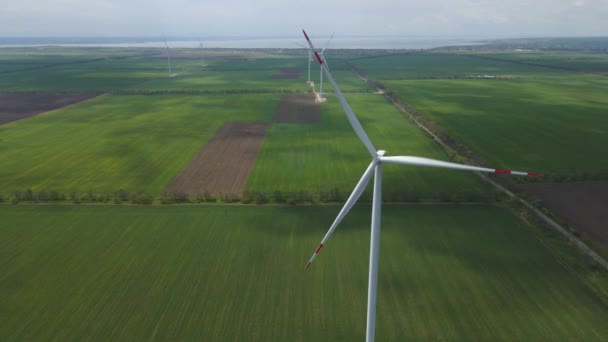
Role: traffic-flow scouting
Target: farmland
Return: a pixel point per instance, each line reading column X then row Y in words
column 236, row 273
column 561, row 124
column 474, row 270
column 146, row 74
column 133, row 143
column 15, row 107
column 328, row 155
column 440, row 65
column 556, row 113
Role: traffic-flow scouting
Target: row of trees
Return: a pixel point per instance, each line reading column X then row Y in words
column 248, row 197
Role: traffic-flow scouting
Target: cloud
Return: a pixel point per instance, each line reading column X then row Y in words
column 280, row 18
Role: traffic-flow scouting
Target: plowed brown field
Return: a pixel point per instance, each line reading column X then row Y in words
column 297, row 108
column 583, row 205
column 223, row 165
column 19, row 106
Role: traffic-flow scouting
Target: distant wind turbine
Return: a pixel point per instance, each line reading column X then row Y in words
column 309, row 59
column 168, row 56
column 375, row 168
column 202, row 55
column 321, row 98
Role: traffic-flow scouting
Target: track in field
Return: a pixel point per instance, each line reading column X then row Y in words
column 298, row 108
column 15, row 107
column 222, row 167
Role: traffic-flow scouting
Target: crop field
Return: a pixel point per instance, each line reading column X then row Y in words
column 254, row 76
column 441, row 65
column 15, row 107
column 246, row 121
column 236, row 273
column 132, row 143
column 583, row 61
column 147, row 74
column 542, row 124
column 223, row 164
column 580, row 204
column 320, row 156
column 92, row 76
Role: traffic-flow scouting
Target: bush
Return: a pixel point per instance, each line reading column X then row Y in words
column 174, row 197
column 120, row 196
column 231, row 198
column 260, row 198
column 278, row 197
column 74, row 198
column 247, row 197
column 141, row 198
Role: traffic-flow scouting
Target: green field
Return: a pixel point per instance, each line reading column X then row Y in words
column 442, row 65
column 236, row 273
column 547, row 125
column 140, row 143
column 106, row 73
column 326, row 155
column 132, row 143
column 583, row 61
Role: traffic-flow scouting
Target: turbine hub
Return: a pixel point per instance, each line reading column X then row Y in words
column 380, row 153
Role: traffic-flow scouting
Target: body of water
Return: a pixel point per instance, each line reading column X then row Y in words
column 249, row 43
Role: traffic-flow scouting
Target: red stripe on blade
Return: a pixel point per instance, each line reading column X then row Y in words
column 307, row 265
column 503, row 171
column 532, row 174
column 319, row 249
column 305, row 35
column 318, row 57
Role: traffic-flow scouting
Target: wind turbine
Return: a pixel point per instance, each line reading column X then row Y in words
column 309, row 59
column 202, row 57
column 321, row 98
column 168, row 56
column 375, row 167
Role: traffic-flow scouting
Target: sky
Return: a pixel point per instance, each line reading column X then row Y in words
column 285, row 18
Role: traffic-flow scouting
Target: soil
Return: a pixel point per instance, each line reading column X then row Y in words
column 19, row 106
column 298, row 108
column 583, row 205
column 287, row 74
column 223, row 165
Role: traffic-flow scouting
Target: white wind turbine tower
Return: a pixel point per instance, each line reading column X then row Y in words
column 202, row 55
column 309, row 59
column 168, row 57
column 321, row 98
column 375, row 168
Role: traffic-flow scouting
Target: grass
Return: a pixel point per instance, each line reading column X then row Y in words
column 326, row 155
column 236, row 273
column 441, row 65
column 583, row 61
column 133, row 143
column 545, row 124
column 85, row 74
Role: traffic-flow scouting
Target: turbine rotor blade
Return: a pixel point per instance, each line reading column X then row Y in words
column 327, row 44
column 354, row 122
column 420, row 161
column 350, row 202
